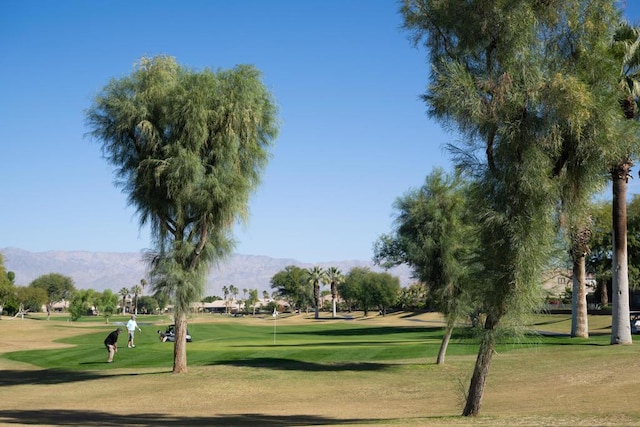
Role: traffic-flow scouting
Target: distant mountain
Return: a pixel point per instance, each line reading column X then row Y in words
column 117, row 270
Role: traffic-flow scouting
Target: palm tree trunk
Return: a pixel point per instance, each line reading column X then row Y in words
column 481, row 369
column 620, row 326
column 604, row 293
column 180, row 345
column 579, row 319
column 334, row 297
column 445, row 343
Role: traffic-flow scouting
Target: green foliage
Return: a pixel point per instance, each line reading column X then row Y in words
column 369, row 289
column 107, row 304
column 188, row 148
column 251, row 302
column 412, row 297
column 531, row 91
column 82, row 302
column 57, row 286
column 435, row 236
column 147, row 304
column 31, row 298
column 292, row 285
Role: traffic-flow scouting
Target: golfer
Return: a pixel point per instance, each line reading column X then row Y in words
column 132, row 325
column 111, row 342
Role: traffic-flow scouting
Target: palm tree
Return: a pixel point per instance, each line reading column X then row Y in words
column 143, row 284
column 315, row 277
column 234, row 291
column 333, row 276
column 265, row 295
column 627, row 43
column 136, row 290
column 124, row 293
column 225, row 291
column 244, row 299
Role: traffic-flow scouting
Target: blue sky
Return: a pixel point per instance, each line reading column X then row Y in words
column 354, row 134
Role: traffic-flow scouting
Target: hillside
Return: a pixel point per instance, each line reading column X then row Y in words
column 115, row 270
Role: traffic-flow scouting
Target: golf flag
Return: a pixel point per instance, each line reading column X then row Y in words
column 275, row 312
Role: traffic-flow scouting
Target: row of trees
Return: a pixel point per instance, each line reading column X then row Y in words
column 43, row 291
column 250, row 302
column 52, row 288
column 543, row 97
column 361, row 288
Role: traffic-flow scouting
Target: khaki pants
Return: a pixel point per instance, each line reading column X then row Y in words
column 112, row 351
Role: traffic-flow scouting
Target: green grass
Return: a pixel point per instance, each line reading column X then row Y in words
column 306, row 346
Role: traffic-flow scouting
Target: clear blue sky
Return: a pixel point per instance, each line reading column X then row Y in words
column 354, row 133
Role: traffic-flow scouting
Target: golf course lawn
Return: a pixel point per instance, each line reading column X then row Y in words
column 296, row 370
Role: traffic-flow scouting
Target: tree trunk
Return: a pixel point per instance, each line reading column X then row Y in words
column 445, row 343
column 316, row 296
column 180, row 345
column 481, row 369
column 334, row 296
column 620, row 326
column 579, row 320
column 604, row 293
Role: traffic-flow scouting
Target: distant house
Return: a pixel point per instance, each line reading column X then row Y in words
column 556, row 281
column 59, row 306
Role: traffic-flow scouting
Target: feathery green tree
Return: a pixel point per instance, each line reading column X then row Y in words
column 433, row 238
column 189, row 148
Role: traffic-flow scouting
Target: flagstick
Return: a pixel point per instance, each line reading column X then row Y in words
column 275, row 323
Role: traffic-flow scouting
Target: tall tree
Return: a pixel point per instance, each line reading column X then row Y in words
column 6, row 285
column 136, row 291
column 234, row 291
column 432, row 236
column 292, row 285
column 124, row 293
column 57, row 286
column 189, row 148
column 334, row 277
column 225, row 292
column 253, row 300
column 315, row 278
column 627, row 46
column 494, row 69
column 370, row 289
column 585, row 110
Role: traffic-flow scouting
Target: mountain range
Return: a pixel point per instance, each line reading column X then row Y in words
column 117, row 270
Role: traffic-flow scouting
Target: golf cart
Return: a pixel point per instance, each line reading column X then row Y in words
column 635, row 324
column 170, row 334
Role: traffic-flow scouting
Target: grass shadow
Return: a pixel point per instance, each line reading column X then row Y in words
column 56, row 417
column 9, row 377
column 298, row 365
column 384, row 330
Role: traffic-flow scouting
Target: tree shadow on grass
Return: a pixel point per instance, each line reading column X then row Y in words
column 10, row 377
column 388, row 330
column 97, row 418
column 298, row 365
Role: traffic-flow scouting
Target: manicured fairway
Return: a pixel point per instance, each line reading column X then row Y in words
column 354, row 370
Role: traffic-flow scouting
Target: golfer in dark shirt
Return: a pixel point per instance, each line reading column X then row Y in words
column 111, row 342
